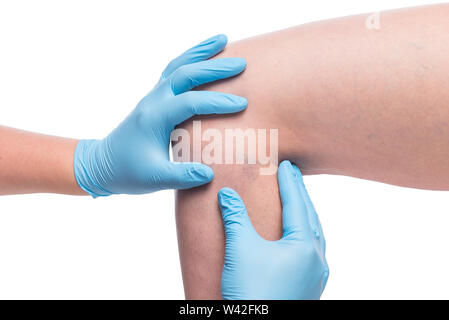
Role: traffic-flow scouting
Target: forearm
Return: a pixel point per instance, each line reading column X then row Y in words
column 35, row 163
column 372, row 104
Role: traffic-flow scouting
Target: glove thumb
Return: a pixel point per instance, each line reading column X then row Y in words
column 188, row 175
column 235, row 216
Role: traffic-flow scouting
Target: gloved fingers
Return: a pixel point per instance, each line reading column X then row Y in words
column 295, row 220
column 191, row 103
column 188, row 76
column 313, row 216
column 233, row 211
column 202, row 51
column 185, row 175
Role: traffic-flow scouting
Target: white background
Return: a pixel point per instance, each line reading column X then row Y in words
column 77, row 68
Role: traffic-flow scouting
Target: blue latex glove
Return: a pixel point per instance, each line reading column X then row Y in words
column 134, row 158
column 292, row 268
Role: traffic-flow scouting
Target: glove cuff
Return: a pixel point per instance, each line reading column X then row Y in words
column 87, row 172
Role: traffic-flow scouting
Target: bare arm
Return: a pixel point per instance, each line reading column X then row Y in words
column 32, row 163
column 347, row 100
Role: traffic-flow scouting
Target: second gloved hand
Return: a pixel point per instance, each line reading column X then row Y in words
column 134, row 158
column 293, row 268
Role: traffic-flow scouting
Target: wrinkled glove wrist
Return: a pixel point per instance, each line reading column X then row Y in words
column 88, row 173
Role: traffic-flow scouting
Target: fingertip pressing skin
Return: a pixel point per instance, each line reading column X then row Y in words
column 192, row 103
column 189, row 175
column 189, row 76
column 230, row 203
column 204, row 50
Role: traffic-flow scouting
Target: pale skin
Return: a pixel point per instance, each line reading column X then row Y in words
column 372, row 104
column 36, row 163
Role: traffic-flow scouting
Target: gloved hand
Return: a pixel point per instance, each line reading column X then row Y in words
column 292, row 268
column 134, row 158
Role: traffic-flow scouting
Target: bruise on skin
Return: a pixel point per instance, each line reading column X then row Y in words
column 251, row 171
column 416, row 45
